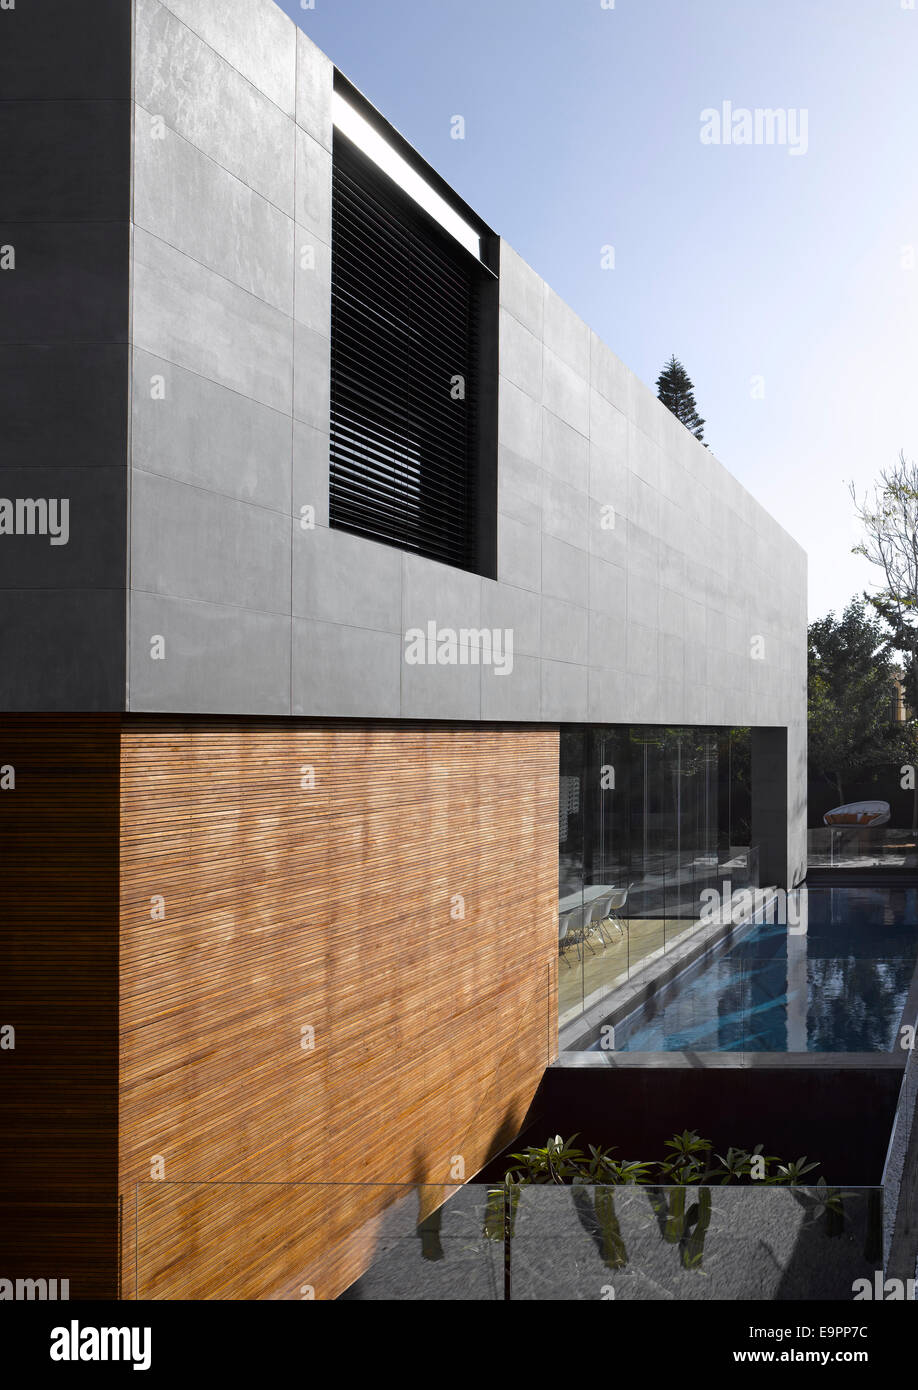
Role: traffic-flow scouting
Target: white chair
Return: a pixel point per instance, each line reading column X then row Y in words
column 573, row 931
column 562, row 936
column 616, row 903
column 599, row 916
column 611, row 919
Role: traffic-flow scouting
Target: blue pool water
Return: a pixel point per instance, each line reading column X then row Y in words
column 841, row 987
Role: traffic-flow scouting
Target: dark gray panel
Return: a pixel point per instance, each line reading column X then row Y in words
column 66, row 48
column 64, row 405
column 70, row 282
column 65, row 150
column 89, row 553
column 65, row 160
column 770, row 804
column 62, row 650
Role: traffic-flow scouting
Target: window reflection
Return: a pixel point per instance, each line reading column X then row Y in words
column 649, row 818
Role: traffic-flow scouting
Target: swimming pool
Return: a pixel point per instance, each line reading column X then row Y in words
column 840, row 987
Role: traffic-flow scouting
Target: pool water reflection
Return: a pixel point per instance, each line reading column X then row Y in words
column 839, row 987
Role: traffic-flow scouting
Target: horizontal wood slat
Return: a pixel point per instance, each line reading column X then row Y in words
column 58, row 989
column 328, row 907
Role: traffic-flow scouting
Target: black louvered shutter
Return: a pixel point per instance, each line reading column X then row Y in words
column 404, row 326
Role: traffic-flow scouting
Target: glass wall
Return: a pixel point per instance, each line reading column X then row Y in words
column 649, row 818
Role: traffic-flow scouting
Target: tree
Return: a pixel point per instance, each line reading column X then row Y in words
column 890, row 519
column 676, row 391
column 851, row 678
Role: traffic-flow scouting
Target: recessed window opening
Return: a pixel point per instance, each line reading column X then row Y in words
column 413, row 364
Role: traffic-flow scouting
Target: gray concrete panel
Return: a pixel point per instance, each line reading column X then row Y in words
column 64, row 405
column 516, row 610
column 186, row 199
column 519, row 488
column 52, row 50
column 310, row 473
column 565, row 571
column 434, row 592
column 564, row 393
column 516, row 697
column 565, row 632
column 313, row 186
column 69, row 528
column 565, row 511
column 566, row 335
column 520, row 356
column 256, row 37
column 340, row 578
column 520, row 422
column 565, row 692
column 444, row 692
column 203, row 97
column 312, row 366
column 313, row 282
column 522, row 291
column 519, row 549
column 314, row 76
column 217, row 660
column 193, row 317
column 344, row 671
column 60, row 650
column 188, row 542
column 607, row 633
column 197, row 431
column 64, row 160
column 69, row 283
column 565, row 452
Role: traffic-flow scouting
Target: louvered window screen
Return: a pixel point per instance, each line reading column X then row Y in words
column 404, row 443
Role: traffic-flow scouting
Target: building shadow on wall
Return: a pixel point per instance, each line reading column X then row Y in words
column 443, row 1229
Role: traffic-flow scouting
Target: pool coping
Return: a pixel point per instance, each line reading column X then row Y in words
column 727, row 1061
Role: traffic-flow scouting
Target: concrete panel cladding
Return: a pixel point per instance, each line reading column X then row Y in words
column 635, row 578
column 231, row 333
column 65, row 123
column 352, row 970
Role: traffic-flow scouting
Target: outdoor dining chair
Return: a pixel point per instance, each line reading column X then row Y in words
column 600, row 915
column 616, row 904
column 573, row 930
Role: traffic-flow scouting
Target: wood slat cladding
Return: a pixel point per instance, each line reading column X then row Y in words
column 327, row 906
column 58, row 989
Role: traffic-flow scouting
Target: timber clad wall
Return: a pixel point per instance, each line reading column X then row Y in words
column 331, row 908
column 58, row 983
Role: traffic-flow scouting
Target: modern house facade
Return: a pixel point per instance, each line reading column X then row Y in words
column 326, row 521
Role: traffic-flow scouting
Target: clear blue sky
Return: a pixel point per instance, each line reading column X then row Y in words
column 583, row 130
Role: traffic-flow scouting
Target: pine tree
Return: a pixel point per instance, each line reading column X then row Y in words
column 675, row 390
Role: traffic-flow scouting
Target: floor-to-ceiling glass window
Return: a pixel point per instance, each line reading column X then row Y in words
column 692, row 766
column 651, row 819
column 572, row 874
column 651, row 846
